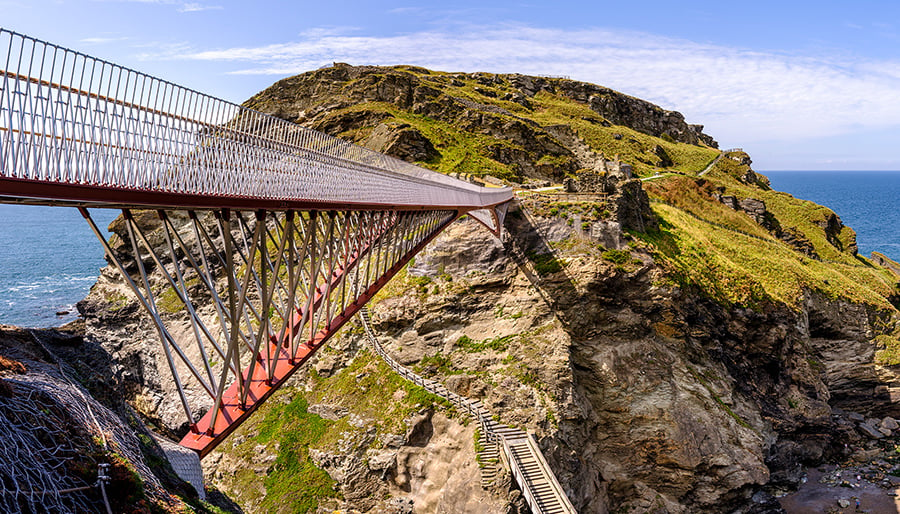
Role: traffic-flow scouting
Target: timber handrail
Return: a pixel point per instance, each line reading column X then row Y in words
column 538, row 483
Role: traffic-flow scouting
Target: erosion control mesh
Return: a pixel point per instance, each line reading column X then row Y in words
column 53, row 439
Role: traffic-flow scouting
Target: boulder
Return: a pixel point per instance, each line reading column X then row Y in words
column 401, row 141
column 870, row 431
column 382, row 461
column 330, row 412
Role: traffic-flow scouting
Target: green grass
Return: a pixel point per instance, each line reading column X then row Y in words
column 544, row 263
column 169, row 302
column 792, row 213
column 734, row 268
column 695, row 196
column 294, row 483
column 888, row 353
column 634, row 147
column 617, row 256
column 466, row 148
column 438, row 362
column 727, row 256
column 498, row 344
column 369, row 388
column 460, row 151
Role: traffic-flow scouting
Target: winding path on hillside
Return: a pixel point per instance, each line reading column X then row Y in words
column 713, row 163
column 518, row 448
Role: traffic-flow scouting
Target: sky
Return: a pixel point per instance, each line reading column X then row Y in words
column 798, row 85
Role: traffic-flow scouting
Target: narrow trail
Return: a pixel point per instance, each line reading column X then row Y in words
column 517, row 448
column 713, row 163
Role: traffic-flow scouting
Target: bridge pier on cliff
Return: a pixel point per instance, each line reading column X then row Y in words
column 268, row 236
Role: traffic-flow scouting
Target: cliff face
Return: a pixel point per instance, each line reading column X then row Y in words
column 676, row 345
column 62, row 420
column 483, row 123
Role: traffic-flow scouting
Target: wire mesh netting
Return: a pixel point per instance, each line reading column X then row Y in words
column 54, row 437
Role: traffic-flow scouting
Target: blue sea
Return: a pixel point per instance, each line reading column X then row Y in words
column 49, row 259
column 866, row 201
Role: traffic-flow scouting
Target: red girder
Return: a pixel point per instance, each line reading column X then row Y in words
column 137, row 148
column 203, row 438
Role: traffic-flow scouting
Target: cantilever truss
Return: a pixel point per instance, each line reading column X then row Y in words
column 270, row 235
column 280, row 283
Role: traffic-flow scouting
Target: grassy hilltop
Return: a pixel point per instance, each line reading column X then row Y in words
column 514, row 128
column 500, row 125
column 698, row 264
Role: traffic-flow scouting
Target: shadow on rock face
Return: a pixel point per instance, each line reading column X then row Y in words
column 420, row 430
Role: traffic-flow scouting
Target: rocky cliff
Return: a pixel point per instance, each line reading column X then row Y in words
column 64, row 425
column 481, row 123
column 676, row 345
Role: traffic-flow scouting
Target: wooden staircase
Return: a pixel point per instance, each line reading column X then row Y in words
column 518, row 449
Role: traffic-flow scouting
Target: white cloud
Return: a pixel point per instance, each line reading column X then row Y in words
column 181, row 6
column 195, row 7
column 407, row 10
column 165, row 2
column 102, row 40
column 740, row 95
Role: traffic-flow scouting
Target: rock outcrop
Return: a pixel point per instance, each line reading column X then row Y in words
column 646, row 391
column 418, row 115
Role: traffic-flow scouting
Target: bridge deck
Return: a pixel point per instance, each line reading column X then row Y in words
column 283, row 232
column 76, row 128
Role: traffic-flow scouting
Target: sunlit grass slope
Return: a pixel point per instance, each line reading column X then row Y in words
column 726, row 255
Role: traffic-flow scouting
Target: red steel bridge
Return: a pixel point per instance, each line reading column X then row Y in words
column 271, row 235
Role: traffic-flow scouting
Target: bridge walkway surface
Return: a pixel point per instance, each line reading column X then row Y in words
column 246, row 239
column 520, row 451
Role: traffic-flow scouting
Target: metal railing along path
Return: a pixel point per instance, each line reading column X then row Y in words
column 526, row 462
column 110, row 134
column 266, row 237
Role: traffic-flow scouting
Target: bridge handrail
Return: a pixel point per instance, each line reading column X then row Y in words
column 69, row 118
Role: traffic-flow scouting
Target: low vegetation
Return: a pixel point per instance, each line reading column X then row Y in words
column 729, row 257
column 631, row 146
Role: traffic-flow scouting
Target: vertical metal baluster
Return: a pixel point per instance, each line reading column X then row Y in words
column 18, row 151
column 7, row 152
column 43, row 173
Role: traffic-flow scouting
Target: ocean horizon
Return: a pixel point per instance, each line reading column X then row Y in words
column 865, row 201
column 49, row 258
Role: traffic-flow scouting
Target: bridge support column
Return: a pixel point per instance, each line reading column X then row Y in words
column 277, row 283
